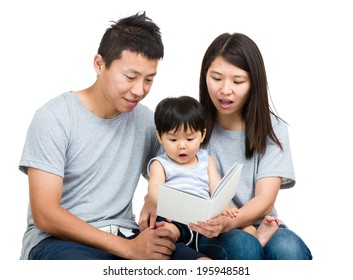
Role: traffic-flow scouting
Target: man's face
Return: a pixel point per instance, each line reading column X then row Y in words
column 127, row 81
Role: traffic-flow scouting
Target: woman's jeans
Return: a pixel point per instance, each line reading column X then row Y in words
column 240, row 245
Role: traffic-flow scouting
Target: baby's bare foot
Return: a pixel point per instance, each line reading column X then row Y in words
column 267, row 229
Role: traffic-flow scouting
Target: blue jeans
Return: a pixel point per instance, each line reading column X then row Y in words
column 53, row 248
column 240, row 245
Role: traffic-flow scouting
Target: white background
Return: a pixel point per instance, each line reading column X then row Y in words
column 47, row 47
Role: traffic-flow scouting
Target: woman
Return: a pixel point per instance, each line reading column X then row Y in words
column 241, row 127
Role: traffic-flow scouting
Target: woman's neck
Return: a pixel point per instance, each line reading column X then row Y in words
column 231, row 122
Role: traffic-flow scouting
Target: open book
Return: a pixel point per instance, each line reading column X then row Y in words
column 186, row 208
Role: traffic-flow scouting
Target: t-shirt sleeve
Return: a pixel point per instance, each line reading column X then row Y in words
column 155, row 150
column 277, row 162
column 46, row 143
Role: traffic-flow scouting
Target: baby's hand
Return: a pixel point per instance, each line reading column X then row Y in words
column 230, row 212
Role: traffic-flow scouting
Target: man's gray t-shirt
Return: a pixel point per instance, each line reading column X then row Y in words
column 228, row 147
column 101, row 160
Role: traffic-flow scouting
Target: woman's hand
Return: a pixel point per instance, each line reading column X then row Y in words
column 211, row 228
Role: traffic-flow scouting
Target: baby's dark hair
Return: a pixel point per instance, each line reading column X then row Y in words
column 183, row 112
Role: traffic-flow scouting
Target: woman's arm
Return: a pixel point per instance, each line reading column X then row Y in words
column 266, row 191
column 261, row 204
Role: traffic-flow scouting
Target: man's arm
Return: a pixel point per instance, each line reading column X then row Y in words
column 48, row 215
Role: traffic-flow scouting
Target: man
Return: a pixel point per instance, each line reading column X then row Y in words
column 85, row 151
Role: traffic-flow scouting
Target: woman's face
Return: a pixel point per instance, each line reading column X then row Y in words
column 228, row 86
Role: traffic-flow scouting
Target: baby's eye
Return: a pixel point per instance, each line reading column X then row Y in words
column 190, row 139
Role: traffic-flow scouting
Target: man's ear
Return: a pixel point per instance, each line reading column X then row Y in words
column 98, row 63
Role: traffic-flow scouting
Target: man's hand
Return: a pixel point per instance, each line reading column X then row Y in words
column 148, row 215
column 154, row 243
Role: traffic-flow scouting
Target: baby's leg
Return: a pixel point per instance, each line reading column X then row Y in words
column 250, row 229
column 267, row 228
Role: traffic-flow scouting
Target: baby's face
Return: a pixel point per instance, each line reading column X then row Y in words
column 181, row 145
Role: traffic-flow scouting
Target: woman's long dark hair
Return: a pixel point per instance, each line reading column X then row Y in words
column 241, row 51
